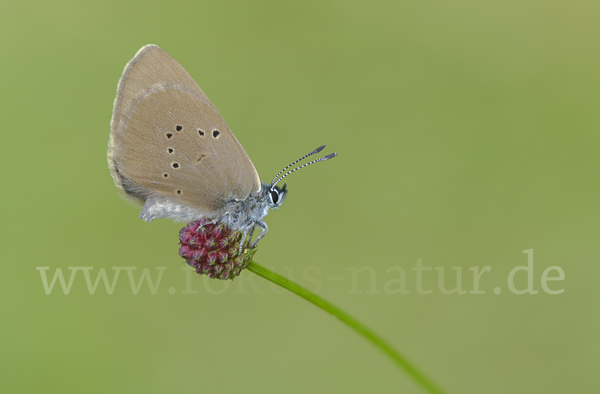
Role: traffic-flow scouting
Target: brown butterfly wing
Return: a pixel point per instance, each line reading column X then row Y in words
column 168, row 138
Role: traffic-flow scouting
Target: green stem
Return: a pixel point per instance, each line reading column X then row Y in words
column 363, row 330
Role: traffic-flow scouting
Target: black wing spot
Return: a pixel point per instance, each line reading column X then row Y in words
column 166, row 175
column 169, row 135
column 216, row 133
column 178, row 128
column 201, row 133
column 175, row 165
column 178, row 191
column 170, row 150
column 198, row 160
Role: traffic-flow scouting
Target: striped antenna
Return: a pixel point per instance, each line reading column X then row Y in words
column 319, row 149
column 329, row 156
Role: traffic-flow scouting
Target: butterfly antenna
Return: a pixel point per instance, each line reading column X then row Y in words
column 319, row 149
column 329, row 156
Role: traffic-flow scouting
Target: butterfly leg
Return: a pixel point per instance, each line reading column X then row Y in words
column 215, row 220
column 248, row 231
column 263, row 232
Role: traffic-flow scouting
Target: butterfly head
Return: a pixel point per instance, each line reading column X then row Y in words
column 276, row 195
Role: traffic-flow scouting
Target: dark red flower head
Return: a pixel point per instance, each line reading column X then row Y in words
column 213, row 249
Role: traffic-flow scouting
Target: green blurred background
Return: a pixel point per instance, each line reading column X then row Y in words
column 467, row 132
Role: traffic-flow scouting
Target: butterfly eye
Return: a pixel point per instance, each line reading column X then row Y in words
column 274, row 196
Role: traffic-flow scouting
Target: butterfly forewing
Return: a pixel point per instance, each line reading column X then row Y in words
column 167, row 137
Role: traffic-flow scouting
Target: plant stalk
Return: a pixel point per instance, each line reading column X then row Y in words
column 357, row 326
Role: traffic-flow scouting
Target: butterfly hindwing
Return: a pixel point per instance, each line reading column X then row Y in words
column 167, row 139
